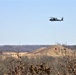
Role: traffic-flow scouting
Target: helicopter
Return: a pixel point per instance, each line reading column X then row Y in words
column 55, row 19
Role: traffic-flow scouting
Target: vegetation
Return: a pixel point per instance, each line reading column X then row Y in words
column 44, row 65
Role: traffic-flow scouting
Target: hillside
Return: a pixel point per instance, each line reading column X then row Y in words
column 28, row 48
column 56, row 59
column 54, row 51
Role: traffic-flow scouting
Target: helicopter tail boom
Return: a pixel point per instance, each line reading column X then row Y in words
column 62, row 19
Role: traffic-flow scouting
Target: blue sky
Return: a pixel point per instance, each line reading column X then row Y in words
column 26, row 22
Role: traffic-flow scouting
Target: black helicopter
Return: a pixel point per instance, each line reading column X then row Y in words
column 55, row 19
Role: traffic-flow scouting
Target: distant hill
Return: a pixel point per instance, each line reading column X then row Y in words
column 70, row 46
column 21, row 48
column 53, row 51
column 29, row 48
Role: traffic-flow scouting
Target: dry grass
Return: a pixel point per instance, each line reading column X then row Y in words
column 44, row 65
